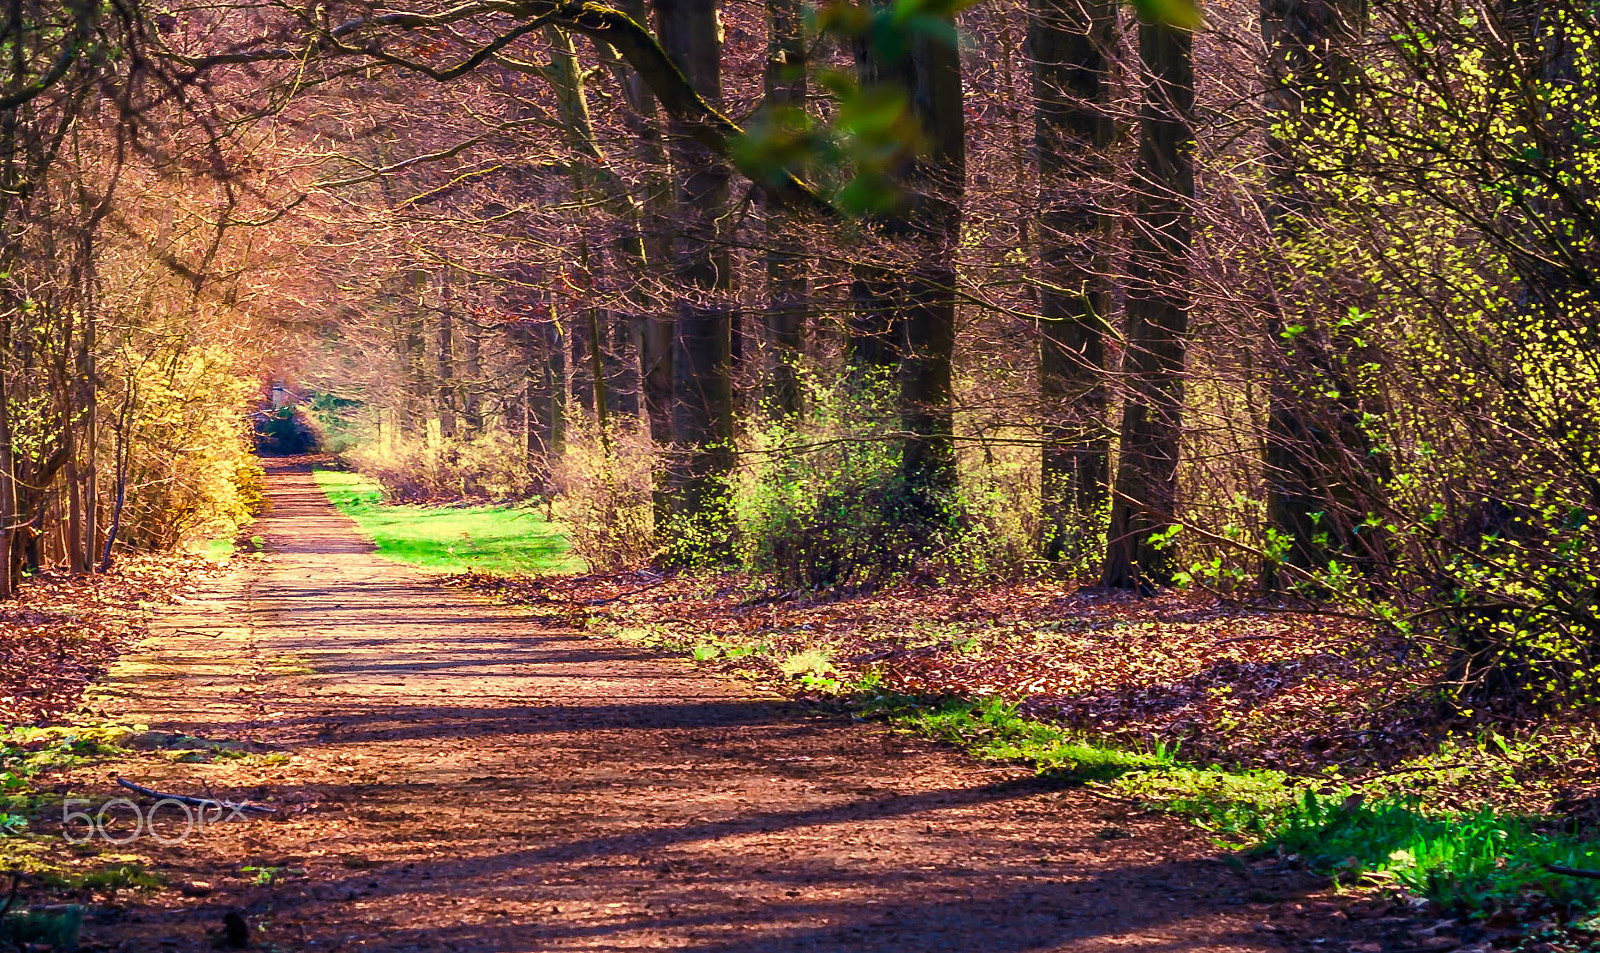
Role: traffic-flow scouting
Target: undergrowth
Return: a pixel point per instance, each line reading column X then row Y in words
column 28, row 753
column 27, row 756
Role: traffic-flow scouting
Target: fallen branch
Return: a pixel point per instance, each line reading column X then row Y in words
column 195, row 801
column 623, row 595
column 921, row 652
column 1573, row 871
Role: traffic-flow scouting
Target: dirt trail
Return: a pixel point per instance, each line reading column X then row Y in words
column 457, row 777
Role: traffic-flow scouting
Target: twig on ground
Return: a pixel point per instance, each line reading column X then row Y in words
column 920, row 652
column 624, row 595
column 769, row 599
column 195, row 801
column 1252, row 638
column 1573, row 871
column 1131, row 802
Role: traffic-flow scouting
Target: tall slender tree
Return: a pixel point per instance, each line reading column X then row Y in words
column 1069, row 42
column 1309, row 75
column 1158, row 303
column 907, row 311
column 787, row 286
column 701, row 450
column 938, row 186
column 445, row 357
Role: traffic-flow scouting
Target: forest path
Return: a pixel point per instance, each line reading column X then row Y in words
column 457, row 777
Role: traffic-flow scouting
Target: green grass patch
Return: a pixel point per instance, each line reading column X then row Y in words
column 992, row 729
column 217, row 549
column 1471, row 863
column 509, row 540
column 26, row 756
column 116, row 877
column 27, row 752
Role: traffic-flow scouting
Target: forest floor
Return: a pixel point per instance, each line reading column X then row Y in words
column 452, row 774
column 1251, row 688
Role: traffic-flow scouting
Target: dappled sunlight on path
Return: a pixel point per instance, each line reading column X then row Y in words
column 456, row 777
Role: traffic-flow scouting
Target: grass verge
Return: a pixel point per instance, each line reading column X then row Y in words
column 39, row 863
column 1480, row 863
column 511, row 540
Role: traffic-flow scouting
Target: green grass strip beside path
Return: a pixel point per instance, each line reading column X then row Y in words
column 503, row 539
column 1469, row 862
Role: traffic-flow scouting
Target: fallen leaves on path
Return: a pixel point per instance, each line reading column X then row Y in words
column 62, row 631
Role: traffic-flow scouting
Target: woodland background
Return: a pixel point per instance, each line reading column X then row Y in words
column 1080, row 383
column 1289, row 302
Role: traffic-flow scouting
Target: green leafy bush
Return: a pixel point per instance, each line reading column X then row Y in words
column 1434, row 372
column 824, row 505
column 603, row 495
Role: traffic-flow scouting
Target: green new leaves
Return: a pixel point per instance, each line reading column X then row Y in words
column 861, row 153
column 873, row 133
column 1183, row 14
column 889, row 29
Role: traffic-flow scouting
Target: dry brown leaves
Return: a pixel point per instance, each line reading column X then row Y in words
column 61, row 632
column 1241, row 685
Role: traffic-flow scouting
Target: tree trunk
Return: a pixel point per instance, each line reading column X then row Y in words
column 597, row 369
column 120, row 452
column 916, row 304
column 579, row 363
column 1308, row 73
column 787, row 287
column 535, row 428
column 874, row 337
column 446, row 359
column 72, row 544
column 8, row 486
column 472, row 386
column 626, row 373
column 1146, row 497
column 653, row 323
column 540, row 385
column 623, row 384
column 414, row 419
column 91, row 450
column 1069, row 42
column 938, row 184
column 702, row 392
column 556, row 384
